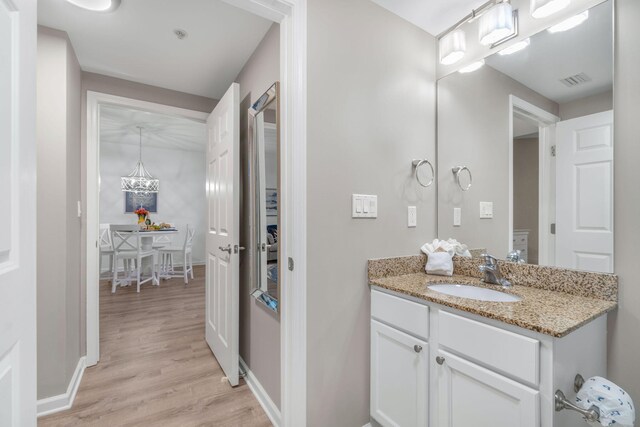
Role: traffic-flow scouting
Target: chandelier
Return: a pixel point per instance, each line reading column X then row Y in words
column 140, row 181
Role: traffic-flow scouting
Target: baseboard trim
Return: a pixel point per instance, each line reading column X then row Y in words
column 263, row 398
column 62, row 402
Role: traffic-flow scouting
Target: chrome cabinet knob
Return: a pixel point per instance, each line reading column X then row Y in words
column 417, row 348
column 439, row 360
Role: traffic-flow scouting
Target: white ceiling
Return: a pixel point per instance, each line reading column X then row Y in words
column 119, row 125
column 550, row 57
column 433, row 16
column 137, row 43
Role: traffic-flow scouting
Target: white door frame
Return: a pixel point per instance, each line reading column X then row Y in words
column 292, row 17
column 94, row 101
column 546, row 123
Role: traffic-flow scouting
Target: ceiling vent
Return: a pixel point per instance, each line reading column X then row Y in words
column 575, row 80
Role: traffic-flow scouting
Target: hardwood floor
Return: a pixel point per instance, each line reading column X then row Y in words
column 155, row 367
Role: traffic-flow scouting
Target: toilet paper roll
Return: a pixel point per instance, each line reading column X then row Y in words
column 615, row 404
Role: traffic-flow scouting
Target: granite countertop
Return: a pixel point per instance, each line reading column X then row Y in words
column 549, row 312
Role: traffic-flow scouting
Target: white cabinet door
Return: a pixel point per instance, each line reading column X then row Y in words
column 470, row 395
column 399, row 377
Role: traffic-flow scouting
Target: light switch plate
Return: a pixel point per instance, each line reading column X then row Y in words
column 457, row 217
column 412, row 216
column 486, row 210
column 364, row 206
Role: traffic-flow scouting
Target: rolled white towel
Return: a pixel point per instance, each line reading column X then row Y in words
column 451, row 246
column 440, row 263
column 615, row 404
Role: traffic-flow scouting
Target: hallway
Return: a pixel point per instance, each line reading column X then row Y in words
column 155, row 367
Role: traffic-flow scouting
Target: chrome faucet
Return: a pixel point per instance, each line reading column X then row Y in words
column 492, row 273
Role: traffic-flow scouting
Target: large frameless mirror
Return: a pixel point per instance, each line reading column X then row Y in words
column 264, row 129
column 534, row 125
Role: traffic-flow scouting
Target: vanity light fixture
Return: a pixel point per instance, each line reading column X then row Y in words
column 544, row 8
column 496, row 24
column 96, row 5
column 452, row 47
column 472, row 67
column 570, row 23
column 516, row 47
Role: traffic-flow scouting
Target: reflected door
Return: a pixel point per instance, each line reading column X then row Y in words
column 222, row 281
column 584, row 198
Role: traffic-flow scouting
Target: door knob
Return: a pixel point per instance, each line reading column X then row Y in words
column 237, row 249
column 439, row 360
column 227, row 249
column 417, row 348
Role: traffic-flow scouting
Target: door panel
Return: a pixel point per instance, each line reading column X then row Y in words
column 399, row 377
column 469, row 395
column 222, row 282
column 584, row 198
column 17, row 213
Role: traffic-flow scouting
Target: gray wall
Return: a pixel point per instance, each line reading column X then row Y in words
column 525, row 191
column 259, row 326
column 113, row 86
column 58, row 226
column 624, row 333
column 585, row 106
column 473, row 131
column 371, row 110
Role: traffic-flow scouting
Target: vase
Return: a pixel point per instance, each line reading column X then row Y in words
column 141, row 219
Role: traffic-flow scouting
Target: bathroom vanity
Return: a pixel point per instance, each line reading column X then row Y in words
column 447, row 361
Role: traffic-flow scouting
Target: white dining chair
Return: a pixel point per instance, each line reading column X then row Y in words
column 167, row 253
column 127, row 246
column 106, row 250
column 160, row 242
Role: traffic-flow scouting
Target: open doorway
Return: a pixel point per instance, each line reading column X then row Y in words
column 99, row 100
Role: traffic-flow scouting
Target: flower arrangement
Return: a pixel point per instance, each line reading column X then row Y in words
column 142, row 214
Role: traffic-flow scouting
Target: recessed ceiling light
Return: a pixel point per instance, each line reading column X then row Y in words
column 472, row 67
column 570, row 23
column 516, row 47
column 544, row 8
column 181, row 34
column 452, row 47
column 96, row 5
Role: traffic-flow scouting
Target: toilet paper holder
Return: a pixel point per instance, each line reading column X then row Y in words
column 591, row 414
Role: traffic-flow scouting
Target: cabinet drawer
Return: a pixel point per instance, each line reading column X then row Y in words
column 505, row 351
column 403, row 314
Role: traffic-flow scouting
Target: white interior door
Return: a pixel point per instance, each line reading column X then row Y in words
column 223, row 185
column 584, row 198
column 17, row 213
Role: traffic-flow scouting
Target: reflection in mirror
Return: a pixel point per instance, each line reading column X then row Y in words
column 535, row 127
column 265, row 147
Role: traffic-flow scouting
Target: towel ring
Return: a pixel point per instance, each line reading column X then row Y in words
column 456, row 173
column 416, row 165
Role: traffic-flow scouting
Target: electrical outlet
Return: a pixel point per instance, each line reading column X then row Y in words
column 412, row 216
column 457, row 217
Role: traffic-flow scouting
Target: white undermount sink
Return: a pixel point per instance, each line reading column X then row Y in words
column 473, row 292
